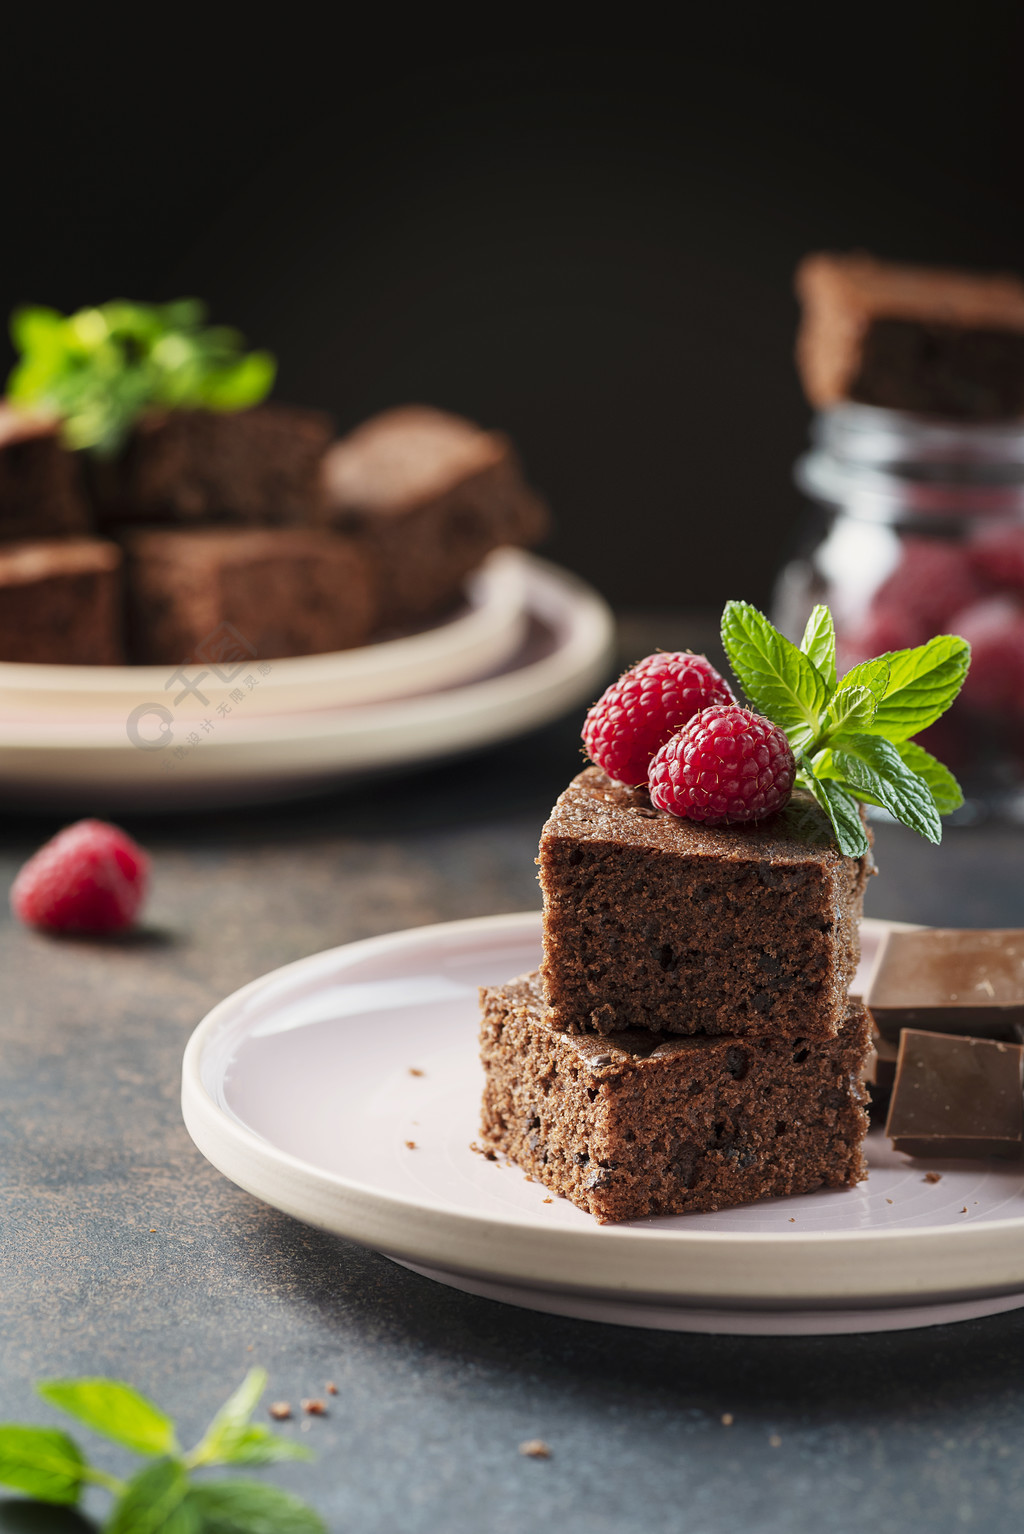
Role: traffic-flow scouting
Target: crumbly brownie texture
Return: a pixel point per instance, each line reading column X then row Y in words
column 428, row 495
column 187, row 466
column 60, row 602
column 40, row 492
column 287, row 591
column 943, row 343
column 642, row 1123
column 652, row 921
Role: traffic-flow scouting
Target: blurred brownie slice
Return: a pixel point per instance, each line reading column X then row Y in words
column 60, row 602
column 40, row 490
column 187, row 466
column 653, row 921
column 643, row 1123
column 282, row 591
column 428, row 495
column 936, row 342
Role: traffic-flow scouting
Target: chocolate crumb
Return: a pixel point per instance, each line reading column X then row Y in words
column 535, row 1448
column 410, row 1144
column 775, row 1441
column 314, row 1408
column 332, row 1389
column 727, row 1419
column 414, row 1070
column 888, row 1201
column 964, row 1209
column 280, row 1411
column 792, row 1219
column 932, row 1177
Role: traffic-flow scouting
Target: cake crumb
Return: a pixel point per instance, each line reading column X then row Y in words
column 964, row 1209
column 932, row 1177
column 410, row 1144
column 485, row 1151
column 331, row 1387
column 280, row 1411
column 775, row 1441
column 727, row 1419
column 314, row 1408
column 888, row 1201
column 535, row 1448
column 527, row 1178
column 414, row 1070
column 549, row 1201
column 792, row 1219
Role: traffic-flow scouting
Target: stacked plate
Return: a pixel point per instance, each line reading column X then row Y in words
column 531, row 642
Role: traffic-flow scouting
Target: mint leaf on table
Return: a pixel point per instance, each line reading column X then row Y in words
column 246, row 1507
column 154, row 1503
column 115, row 1410
column 779, row 679
column 232, row 1440
column 42, row 1461
column 819, row 644
column 852, row 737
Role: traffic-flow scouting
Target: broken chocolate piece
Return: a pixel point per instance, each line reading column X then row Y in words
column 950, row 980
column 957, row 1096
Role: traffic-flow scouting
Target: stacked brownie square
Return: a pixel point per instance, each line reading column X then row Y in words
column 689, row 1042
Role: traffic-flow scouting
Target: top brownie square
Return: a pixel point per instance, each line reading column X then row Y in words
column 651, row 921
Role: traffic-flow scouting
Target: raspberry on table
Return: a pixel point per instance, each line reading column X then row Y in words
column 645, row 707
column 91, row 877
column 728, row 764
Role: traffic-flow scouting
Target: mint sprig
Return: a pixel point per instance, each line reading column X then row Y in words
column 101, row 369
column 163, row 1498
column 852, row 737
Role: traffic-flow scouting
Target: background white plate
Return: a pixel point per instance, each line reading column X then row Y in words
column 565, row 649
column 299, row 1088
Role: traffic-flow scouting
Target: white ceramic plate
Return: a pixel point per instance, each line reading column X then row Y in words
column 477, row 639
column 300, row 1089
column 249, row 751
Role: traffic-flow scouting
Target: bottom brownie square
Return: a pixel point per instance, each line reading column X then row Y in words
column 641, row 1123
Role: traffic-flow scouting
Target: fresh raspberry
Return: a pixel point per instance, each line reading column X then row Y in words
column 645, row 708
column 727, row 764
column 90, row 878
column 995, row 679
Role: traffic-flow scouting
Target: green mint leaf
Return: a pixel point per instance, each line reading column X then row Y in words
column 819, row 644
column 841, row 810
column 42, row 1461
column 869, row 764
column 115, row 1410
column 946, row 791
column 778, row 679
column 155, row 1503
column 922, row 683
column 241, row 385
column 245, row 1507
column 257, row 1445
column 850, row 709
column 232, row 1440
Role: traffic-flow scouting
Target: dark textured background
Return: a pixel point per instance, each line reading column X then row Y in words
column 587, row 241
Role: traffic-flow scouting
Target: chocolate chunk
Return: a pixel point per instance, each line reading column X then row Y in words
column 957, row 1096
column 950, row 980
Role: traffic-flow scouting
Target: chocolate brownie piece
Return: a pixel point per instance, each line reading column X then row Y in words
column 188, row 466
column 40, row 491
column 60, row 602
column 643, row 1123
column 936, row 342
column 429, row 495
column 652, row 921
column 281, row 591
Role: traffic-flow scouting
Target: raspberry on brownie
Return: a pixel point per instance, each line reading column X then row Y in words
column 652, row 921
column 639, row 712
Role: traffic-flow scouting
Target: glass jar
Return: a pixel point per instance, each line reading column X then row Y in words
column 919, row 530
